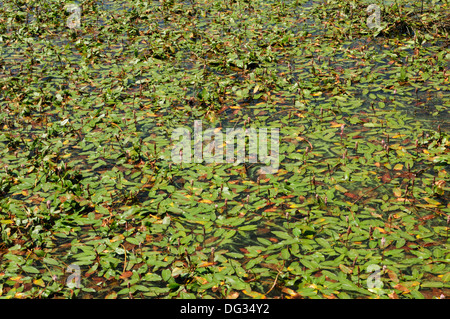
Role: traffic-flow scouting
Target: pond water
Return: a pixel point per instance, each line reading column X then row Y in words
column 86, row 123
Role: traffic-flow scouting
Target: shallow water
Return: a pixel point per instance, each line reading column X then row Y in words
column 126, row 91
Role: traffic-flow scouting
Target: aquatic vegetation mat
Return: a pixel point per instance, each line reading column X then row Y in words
column 92, row 204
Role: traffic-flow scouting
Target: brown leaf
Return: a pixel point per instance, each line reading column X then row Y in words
column 386, row 178
column 245, row 251
column 126, row 274
column 292, row 293
column 431, row 216
column 233, row 295
column 201, row 280
column 261, row 231
column 210, row 240
column 402, row 288
column 351, row 195
column 393, row 276
column 393, row 295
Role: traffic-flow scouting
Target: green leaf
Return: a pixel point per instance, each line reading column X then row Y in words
column 417, row 295
column 400, row 243
column 152, row 277
column 50, row 261
column 322, row 242
column 166, row 274
column 235, row 255
column 264, row 241
column 133, row 240
column 432, row 284
column 31, row 269
column 248, row 227
column 281, row 234
column 309, row 264
column 285, row 254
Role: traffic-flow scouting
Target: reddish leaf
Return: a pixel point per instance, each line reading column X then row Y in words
column 126, row 274
column 386, row 178
column 351, row 195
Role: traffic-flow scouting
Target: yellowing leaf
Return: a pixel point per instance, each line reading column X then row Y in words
column 15, row 278
column 432, row 201
column 39, row 282
column 111, row 295
column 254, row 294
column 426, row 205
column 116, row 238
column 381, row 230
column 341, row 189
column 334, row 124
column 397, row 192
column 402, row 288
column 345, row 269
column 290, row 292
column 398, row 167
column 201, row 280
column 445, row 277
column 206, row 264
column 410, row 284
